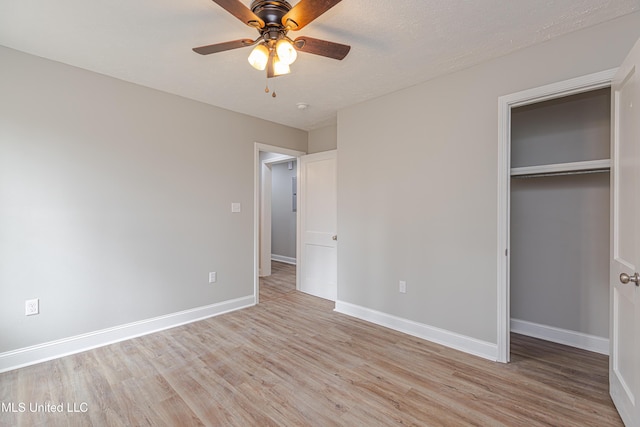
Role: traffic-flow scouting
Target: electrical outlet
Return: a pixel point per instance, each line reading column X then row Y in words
column 213, row 277
column 402, row 287
column 31, row 307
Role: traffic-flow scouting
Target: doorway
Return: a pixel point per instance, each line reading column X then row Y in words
column 508, row 105
column 268, row 159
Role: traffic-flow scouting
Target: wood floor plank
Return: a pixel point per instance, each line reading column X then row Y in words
column 292, row 360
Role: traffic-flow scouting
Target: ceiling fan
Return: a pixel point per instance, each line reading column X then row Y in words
column 274, row 50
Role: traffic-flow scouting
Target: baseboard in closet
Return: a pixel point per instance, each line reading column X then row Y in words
column 561, row 336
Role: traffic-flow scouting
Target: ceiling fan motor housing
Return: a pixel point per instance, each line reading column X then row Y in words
column 271, row 12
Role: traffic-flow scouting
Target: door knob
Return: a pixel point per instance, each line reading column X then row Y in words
column 625, row 278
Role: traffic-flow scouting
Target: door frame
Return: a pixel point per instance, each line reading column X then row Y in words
column 586, row 83
column 258, row 202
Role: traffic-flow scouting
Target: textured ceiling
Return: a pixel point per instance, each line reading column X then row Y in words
column 395, row 44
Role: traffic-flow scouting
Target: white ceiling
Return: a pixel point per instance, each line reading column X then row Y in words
column 394, row 44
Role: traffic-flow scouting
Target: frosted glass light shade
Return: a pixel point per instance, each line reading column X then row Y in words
column 280, row 67
column 259, row 57
column 286, row 52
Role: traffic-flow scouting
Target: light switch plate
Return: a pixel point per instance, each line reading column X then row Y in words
column 235, row 207
column 402, row 287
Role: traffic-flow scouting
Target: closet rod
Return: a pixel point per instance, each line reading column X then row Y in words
column 545, row 174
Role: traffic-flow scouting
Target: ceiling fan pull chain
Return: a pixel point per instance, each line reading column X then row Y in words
column 273, row 92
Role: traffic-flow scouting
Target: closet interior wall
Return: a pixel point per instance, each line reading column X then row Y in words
column 559, row 225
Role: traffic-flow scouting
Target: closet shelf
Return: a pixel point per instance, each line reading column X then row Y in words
column 590, row 166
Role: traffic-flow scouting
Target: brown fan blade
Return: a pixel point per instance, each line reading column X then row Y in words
column 306, row 11
column 321, row 47
column 240, row 11
column 221, row 47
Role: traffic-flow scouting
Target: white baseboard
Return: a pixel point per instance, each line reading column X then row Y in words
column 54, row 349
column 561, row 336
column 282, row 258
column 453, row 340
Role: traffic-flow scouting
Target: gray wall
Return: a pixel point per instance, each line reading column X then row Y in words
column 323, row 139
column 417, row 194
column 560, row 225
column 283, row 218
column 568, row 129
column 560, row 252
column 115, row 200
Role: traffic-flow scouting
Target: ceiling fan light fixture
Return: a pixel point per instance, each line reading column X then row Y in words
column 279, row 67
column 259, row 57
column 286, row 52
column 274, row 51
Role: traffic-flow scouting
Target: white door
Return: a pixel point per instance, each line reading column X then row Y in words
column 317, row 199
column 624, row 364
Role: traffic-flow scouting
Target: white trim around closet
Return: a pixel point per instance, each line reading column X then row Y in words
column 505, row 104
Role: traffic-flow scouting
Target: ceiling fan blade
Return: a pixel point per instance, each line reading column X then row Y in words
column 306, row 11
column 240, row 11
column 321, row 47
column 221, row 47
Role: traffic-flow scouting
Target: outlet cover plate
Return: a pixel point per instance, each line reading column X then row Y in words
column 213, row 277
column 31, row 307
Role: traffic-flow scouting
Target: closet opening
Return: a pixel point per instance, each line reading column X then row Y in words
column 559, row 222
column 562, row 140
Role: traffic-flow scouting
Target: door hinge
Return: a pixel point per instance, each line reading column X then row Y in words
column 506, row 252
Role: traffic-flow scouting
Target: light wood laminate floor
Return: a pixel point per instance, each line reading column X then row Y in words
column 292, row 361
